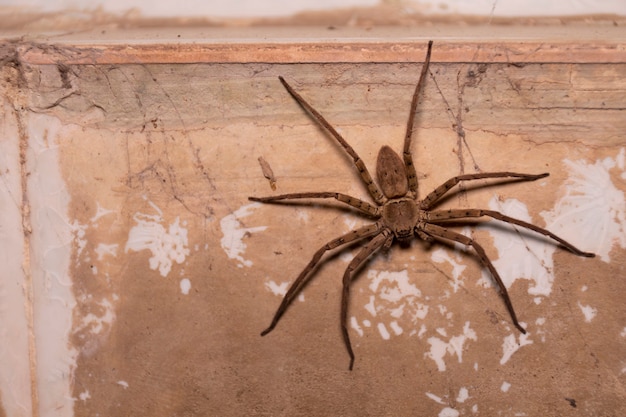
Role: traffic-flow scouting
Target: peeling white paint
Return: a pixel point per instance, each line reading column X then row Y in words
column 84, row 396
column 454, row 346
column 396, row 328
column 97, row 323
column 449, row 412
column 15, row 388
column 100, row 212
column 463, row 395
column 441, row 255
column 355, row 325
column 80, row 231
column 51, row 255
column 185, row 286
column 393, row 298
column 103, row 249
column 384, row 333
column 519, row 257
column 281, row 289
column 588, row 311
column 435, row 398
column 277, row 289
column 510, row 345
column 398, row 286
column 123, row 384
column 592, row 212
column 505, row 386
column 166, row 245
column 233, row 233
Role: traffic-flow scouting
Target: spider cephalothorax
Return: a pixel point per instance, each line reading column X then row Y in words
column 398, row 213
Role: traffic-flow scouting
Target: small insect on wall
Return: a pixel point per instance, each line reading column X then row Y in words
column 415, row 225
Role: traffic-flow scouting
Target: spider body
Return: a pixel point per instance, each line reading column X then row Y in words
column 398, row 212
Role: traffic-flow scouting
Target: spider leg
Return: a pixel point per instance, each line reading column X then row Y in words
column 435, row 195
column 362, row 206
column 443, row 215
column 304, row 277
column 372, row 246
column 446, row 234
column 408, row 158
column 358, row 162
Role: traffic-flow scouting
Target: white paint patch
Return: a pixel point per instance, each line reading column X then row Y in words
column 510, row 345
column 185, row 286
column 592, row 212
column 505, row 386
column 623, row 332
column 97, row 324
column 370, row 307
column 588, row 311
column 233, row 233
column 441, row 255
column 519, row 257
column 463, row 395
column 449, row 412
column 166, row 245
column 100, row 212
column 435, row 398
column 123, row 384
column 281, row 289
column 355, row 325
column 396, row 288
column 277, row 289
column 454, row 346
column 393, row 297
column 383, row 331
column 15, row 382
column 396, row 328
column 51, row 245
column 84, row 396
column 80, row 231
column 103, row 249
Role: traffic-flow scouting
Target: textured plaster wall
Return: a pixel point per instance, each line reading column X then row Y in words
column 138, row 275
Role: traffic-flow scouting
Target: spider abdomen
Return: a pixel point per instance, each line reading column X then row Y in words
column 401, row 216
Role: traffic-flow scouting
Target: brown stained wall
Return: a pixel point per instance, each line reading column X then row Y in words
column 167, row 149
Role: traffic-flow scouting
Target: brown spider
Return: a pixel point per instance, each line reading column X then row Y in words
column 398, row 212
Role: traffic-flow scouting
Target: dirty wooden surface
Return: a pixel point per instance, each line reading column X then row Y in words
column 157, row 162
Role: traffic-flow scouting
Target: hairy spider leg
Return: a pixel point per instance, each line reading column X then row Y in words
column 459, row 214
column 435, row 196
column 380, row 240
column 305, row 276
column 446, row 234
column 408, row 157
column 358, row 162
column 363, row 206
